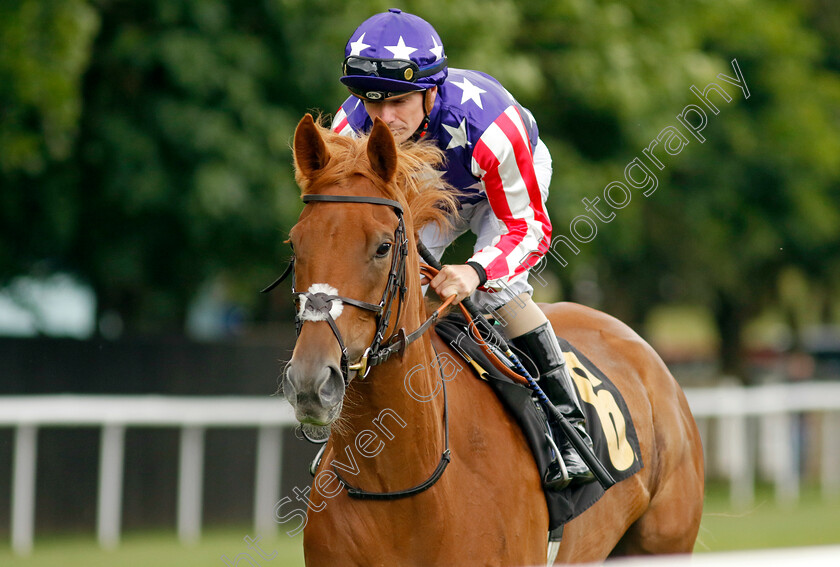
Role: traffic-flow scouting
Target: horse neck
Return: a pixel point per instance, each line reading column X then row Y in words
column 396, row 413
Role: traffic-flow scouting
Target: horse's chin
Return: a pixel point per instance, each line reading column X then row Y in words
column 315, row 432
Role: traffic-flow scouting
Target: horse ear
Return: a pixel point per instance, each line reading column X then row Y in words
column 311, row 154
column 382, row 150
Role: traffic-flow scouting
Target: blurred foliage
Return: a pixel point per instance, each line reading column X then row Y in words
column 44, row 49
column 183, row 156
column 758, row 195
column 144, row 145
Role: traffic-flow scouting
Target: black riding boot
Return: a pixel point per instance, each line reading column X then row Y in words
column 540, row 345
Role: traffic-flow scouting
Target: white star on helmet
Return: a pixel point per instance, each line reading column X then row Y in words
column 437, row 50
column 358, row 46
column 401, row 50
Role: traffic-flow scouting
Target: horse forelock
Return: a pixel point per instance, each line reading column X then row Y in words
column 418, row 184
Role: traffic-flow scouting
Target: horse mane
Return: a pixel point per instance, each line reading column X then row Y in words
column 418, row 183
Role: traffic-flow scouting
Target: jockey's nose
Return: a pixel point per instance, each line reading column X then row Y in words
column 389, row 113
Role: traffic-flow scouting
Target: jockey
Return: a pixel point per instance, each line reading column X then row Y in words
column 395, row 69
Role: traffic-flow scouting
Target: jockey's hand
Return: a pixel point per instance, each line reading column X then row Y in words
column 459, row 279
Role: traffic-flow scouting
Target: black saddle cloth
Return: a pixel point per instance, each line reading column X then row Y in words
column 608, row 422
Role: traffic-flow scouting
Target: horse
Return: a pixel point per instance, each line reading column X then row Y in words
column 450, row 477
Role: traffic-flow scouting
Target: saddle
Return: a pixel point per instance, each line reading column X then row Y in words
column 608, row 421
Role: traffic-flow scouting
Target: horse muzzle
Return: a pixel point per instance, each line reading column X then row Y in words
column 315, row 391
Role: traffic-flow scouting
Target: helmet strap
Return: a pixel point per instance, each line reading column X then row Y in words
column 421, row 131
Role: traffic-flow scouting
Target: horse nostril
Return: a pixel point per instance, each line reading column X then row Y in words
column 318, row 387
column 332, row 387
column 289, row 390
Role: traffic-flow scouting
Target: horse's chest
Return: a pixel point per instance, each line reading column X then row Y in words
column 376, row 536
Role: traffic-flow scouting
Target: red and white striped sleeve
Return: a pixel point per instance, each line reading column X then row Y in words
column 502, row 158
column 340, row 123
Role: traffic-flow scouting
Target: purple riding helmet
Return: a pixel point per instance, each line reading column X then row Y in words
column 391, row 54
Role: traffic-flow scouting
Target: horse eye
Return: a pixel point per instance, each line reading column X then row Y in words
column 383, row 249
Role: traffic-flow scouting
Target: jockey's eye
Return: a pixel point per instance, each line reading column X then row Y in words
column 383, row 249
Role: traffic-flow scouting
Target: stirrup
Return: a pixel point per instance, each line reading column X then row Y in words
column 556, row 475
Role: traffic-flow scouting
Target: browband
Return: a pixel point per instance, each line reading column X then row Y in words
column 354, row 199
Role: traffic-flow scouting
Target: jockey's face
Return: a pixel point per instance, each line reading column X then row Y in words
column 402, row 114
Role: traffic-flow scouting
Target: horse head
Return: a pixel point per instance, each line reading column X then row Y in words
column 350, row 254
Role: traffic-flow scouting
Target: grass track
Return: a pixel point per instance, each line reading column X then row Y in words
column 812, row 522
column 157, row 550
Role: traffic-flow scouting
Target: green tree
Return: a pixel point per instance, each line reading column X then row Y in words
column 731, row 213
column 45, row 48
column 183, row 160
column 176, row 169
column 144, row 145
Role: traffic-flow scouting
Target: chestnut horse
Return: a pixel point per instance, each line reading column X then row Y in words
column 391, row 430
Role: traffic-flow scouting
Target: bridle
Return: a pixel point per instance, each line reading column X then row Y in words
column 320, row 304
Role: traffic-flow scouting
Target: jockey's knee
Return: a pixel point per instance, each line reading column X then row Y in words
column 521, row 315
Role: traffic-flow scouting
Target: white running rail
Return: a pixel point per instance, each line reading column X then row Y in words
column 192, row 415
column 729, row 409
column 759, row 428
